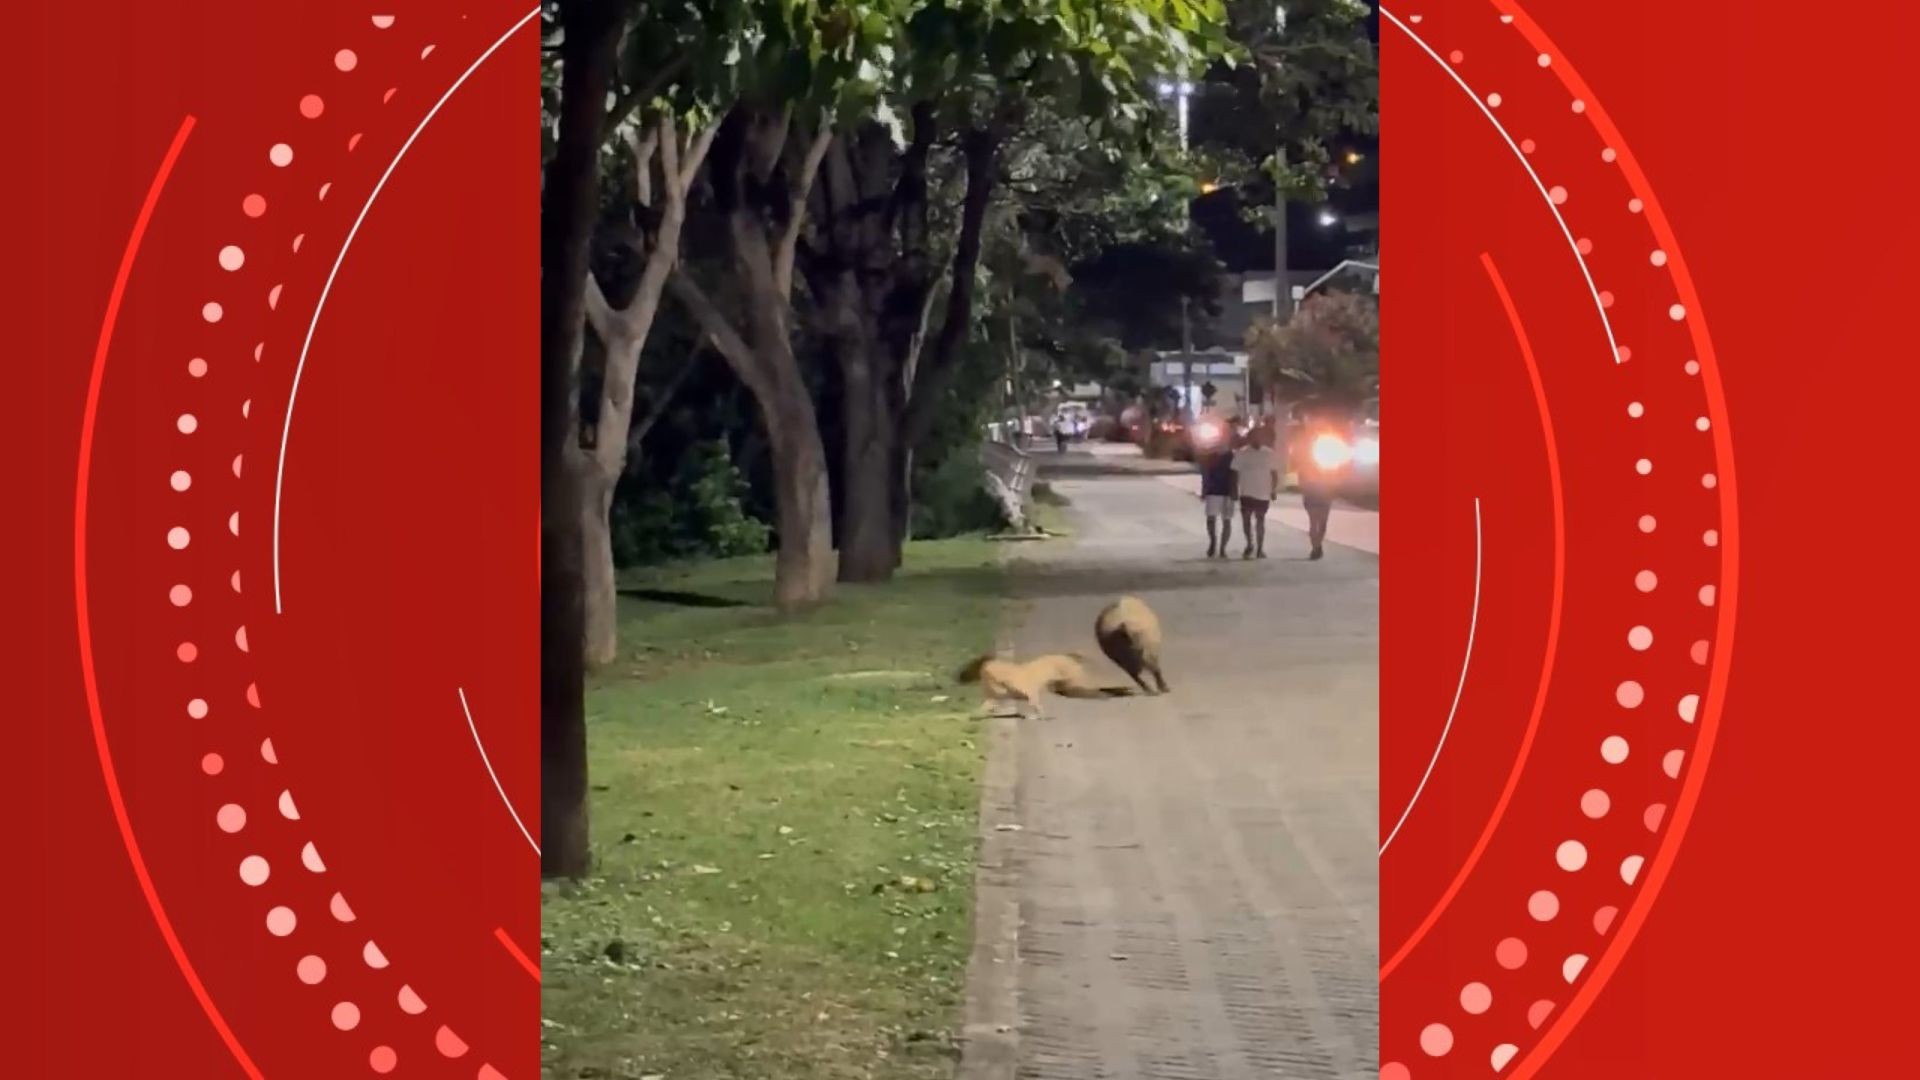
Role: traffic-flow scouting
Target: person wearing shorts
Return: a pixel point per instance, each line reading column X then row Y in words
column 1257, row 477
column 1216, row 491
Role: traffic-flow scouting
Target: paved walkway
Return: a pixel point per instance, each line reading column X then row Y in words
column 1196, row 874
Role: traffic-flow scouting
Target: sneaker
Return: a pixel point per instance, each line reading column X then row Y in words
column 1317, row 555
column 1247, row 554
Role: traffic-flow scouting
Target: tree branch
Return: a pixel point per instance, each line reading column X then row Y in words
column 937, row 365
column 724, row 338
column 636, row 96
column 799, row 187
column 696, row 155
column 668, row 138
column 643, row 143
column 600, row 313
column 657, row 408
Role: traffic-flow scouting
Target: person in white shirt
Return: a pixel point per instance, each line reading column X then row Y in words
column 1257, row 472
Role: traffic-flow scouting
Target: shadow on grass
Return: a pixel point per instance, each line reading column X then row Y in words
column 683, row 599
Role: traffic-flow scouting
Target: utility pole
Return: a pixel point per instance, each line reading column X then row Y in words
column 1282, row 280
column 1186, row 359
column 1180, row 92
column 1282, row 283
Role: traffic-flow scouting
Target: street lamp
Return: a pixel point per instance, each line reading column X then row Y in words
column 1181, row 91
column 1281, row 291
column 1327, row 219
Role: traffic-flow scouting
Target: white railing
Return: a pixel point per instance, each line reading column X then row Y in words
column 1013, row 466
column 1009, row 478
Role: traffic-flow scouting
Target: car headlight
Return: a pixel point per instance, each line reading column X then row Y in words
column 1331, row 452
column 1367, row 452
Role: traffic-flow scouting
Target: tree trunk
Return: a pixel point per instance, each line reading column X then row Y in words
column 803, row 512
column 929, row 370
column 900, row 498
column 866, row 518
column 747, row 146
column 601, row 587
column 571, row 201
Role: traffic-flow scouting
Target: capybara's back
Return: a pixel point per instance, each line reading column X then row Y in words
column 1129, row 634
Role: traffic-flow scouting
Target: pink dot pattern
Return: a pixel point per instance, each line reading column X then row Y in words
column 1542, row 905
column 280, row 911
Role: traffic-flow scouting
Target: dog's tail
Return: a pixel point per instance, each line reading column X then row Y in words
column 971, row 673
column 1095, row 692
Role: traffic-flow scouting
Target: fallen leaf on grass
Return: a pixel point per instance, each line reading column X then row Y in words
column 706, row 869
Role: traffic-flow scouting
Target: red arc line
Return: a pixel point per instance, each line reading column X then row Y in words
column 533, row 969
column 1553, row 625
column 88, row 420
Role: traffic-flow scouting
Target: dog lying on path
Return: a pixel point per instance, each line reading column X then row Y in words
column 1002, row 680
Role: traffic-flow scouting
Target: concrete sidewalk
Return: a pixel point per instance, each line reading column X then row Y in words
column 1194, row 874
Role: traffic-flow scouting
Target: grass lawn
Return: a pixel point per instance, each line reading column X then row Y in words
column 784, row 818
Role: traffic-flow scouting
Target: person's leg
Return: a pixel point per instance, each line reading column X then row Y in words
column 1226, row 525
column 1318, row 510
column 1246, row 528
column 1260, row 542
column 1213, row 534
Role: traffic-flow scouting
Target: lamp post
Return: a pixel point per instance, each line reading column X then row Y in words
column 1282, row 290
column 1180, row 92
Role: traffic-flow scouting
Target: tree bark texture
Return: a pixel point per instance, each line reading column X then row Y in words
column 571, row 203
column 761, row 187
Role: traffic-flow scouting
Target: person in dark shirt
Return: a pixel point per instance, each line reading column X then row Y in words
column 1216, row 491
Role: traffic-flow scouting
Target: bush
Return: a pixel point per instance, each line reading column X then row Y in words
column 700, row 514
column 950, row 499
column 714, row 490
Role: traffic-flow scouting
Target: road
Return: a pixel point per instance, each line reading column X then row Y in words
column 1196, row 874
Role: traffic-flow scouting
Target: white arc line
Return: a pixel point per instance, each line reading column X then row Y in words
column 1605, row 322
column 1473, row 627
column 279, row 472
column 484, row 760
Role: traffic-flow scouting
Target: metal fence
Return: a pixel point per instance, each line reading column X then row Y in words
column 1009, row 464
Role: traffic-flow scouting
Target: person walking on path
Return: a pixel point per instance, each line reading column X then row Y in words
column 1216, row 491
column 1322, row 455
column 1060, row 432
column 1257, row 477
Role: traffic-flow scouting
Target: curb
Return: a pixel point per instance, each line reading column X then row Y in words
column 990, row 1032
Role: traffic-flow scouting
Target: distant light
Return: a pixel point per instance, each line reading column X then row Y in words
column 1166, row 88
column 1327, row 219
column 1209, row 188
column 1186, row 87
column 1353, row 157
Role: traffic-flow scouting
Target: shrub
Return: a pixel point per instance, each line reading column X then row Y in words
column 950, row 499
column 714, row 488
column 699, row 514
